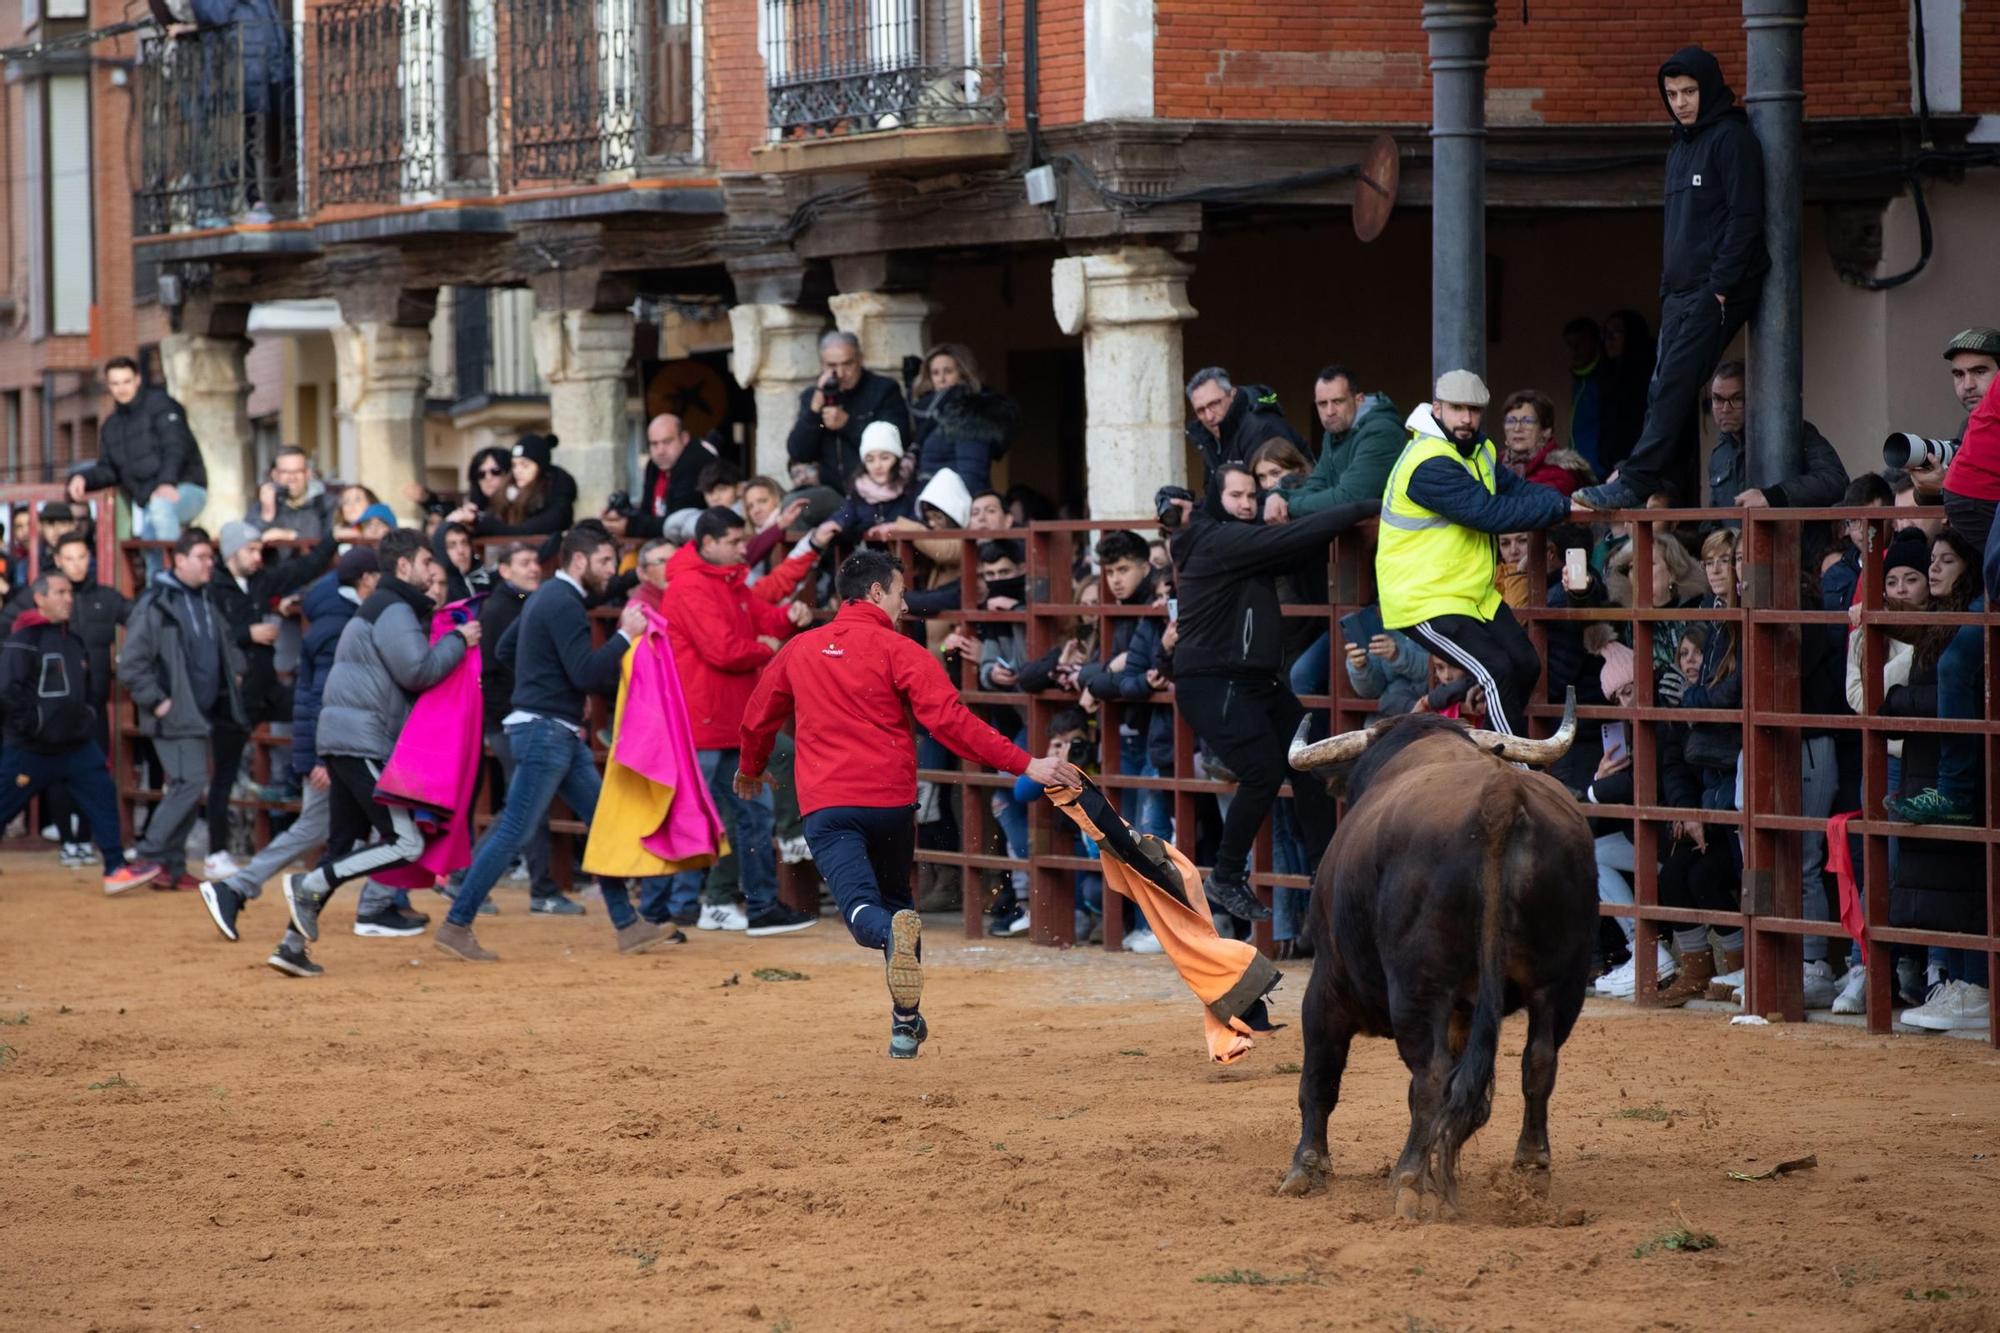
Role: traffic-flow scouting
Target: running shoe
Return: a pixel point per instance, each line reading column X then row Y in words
column 778, row 919
column 223, row 904
column 131, row 875
column 293, row 962
column 902, row 961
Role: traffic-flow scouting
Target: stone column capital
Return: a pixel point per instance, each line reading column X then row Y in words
column 1134, row 285
column 889, row 326
column 581, row 346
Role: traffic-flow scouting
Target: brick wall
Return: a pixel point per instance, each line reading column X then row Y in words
column 1575, row 62
column 734, row 82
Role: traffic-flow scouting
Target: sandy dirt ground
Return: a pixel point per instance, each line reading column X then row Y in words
column 576, row 1140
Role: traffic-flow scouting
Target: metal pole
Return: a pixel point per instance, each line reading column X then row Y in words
column 1775, row 33
column 1459, row 32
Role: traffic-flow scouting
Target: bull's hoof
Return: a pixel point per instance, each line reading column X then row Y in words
column 1308, row 1174
column 1409, row 1203
column 1531, row 1159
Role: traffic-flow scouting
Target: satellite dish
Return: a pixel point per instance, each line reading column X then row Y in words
column 1375, row 187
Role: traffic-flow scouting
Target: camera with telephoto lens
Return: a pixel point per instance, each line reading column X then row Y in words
column 621, row 504
column 1081, row 752
column 1905, row 450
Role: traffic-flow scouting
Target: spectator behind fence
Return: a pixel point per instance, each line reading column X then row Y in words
column 838, row 407
column 671, row 481
column 540, row 499
column 1358, row 445
column 881, row 490
column 294, row 505
column 180, row 669
column 1712, row 263
column 1819, row 486
column 1230, row 422
column 1532, row 453
column 1136, row 670
column 1628, row 356
column 1229, row 655
column 1446, row 499
column 1972, row 485
column 51, row 728
column 1589, row 378
column 959, row 423
column 146, row 450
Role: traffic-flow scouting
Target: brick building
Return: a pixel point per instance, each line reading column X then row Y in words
column 657, row 195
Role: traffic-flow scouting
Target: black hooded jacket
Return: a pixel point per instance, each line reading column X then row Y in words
column 1227, row 573
column 1253, row 418
column 1714, row 240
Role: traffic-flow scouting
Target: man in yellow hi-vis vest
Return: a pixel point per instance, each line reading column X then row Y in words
column 1448, row 497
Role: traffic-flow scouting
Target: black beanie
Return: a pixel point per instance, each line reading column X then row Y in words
column 1910, row 549
column 535, row 447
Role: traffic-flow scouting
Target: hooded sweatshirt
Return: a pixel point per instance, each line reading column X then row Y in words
column 1714, row 239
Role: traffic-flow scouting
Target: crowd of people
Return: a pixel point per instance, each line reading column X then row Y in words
column 819, row 674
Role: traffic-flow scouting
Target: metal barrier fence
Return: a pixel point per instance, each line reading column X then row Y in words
column 1771, row 823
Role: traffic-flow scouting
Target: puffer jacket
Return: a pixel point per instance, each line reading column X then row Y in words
column 714, row 621
column 963, row 429
column 384, row 660
column 145, row 444
column 1254, row 416
column 45, row 687
column 166, row 624
column 328, row 607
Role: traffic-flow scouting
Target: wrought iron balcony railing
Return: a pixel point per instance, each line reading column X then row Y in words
column 405, row 98
column 218, row 142
column 856, row 66
column 603, row 88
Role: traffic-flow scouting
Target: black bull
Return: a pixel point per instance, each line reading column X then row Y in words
column 1458, row 889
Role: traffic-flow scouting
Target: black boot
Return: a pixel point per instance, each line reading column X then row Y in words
column 1234, row 897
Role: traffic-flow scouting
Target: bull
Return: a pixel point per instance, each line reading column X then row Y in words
column 1459, row 888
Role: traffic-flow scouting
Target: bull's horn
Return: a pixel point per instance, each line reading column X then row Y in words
column 1333, row 750
column 1524, row 751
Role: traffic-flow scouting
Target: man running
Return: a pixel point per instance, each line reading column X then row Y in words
column 852, row 685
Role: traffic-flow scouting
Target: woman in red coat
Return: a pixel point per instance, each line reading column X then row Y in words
column 1529, row 425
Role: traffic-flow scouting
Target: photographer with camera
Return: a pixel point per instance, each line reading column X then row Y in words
column 840, row 405
column 1967, row 470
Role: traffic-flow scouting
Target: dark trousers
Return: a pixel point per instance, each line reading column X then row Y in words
column 1971, row 519
column 864, row 853
column 1694, row 330
column 1495, row 653
column 1248, row 723
column 228, row 743
column 352, row 814
column 88, row 777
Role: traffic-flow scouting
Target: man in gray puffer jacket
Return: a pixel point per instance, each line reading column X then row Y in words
column 385, row 659
column 181, row 670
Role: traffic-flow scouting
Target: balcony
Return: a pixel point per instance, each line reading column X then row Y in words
column 603, row 90
column 218, row 139
column 845, row 70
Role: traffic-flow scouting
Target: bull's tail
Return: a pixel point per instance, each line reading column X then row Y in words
column 1468, row 1095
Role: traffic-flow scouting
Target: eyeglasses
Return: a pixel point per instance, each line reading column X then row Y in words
column 491, row 472
column 1520, row 423
column 1733, row 400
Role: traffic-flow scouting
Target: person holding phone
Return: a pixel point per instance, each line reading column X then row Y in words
column 1448, row 498
column 837, row 407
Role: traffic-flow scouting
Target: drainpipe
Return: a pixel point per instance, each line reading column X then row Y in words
column 1775, row 33
column 1459, row 32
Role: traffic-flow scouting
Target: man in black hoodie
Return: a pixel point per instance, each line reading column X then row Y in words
column 1712, row 263
column 1228, row 679
column 1230, row 421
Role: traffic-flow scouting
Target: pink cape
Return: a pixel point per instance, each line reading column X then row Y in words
column 436, row 762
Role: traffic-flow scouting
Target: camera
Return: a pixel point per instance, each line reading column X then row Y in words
column 621, row 504
column 1081, row 752
column 1906, row 450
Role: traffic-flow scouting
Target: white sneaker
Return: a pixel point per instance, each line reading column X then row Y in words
column 518, row 872
column 793, row 851
column 50, row 833
column 1619, row 982
column 220, row 865
column 1730, row 981
column 1819, row 987
column 716, row 916
column 1143, row 941
column 1853, row 997
column 75, row 854
column 1956, row 1006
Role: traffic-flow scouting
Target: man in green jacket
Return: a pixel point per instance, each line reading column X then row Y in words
column 1363, row 436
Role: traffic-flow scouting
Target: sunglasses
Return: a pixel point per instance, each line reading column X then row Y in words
column 491, row 472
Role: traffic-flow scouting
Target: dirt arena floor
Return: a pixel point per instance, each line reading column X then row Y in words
column 576, row 1140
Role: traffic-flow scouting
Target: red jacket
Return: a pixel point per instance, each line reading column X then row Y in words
column 714, row 620
column 853, row 686
column 1975, row 473
column 1538, row 469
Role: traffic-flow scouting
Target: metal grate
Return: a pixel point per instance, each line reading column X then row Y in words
column 604, row 87
column 855, row 66
column 218, row 144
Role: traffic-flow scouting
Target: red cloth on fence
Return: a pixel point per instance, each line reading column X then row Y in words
column 1853, row 919
column 436, row 762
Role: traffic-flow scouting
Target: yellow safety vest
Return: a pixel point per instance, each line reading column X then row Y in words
column 1425, row 564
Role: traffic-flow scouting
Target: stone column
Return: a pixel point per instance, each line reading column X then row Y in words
column 584, row 356
column 1128, row 305
column 383, row 372
column 206, row 374
column 890, row 325
column 776, row 355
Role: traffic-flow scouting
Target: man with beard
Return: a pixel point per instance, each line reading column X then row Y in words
column 1228, row 676
column 555, row 669
column 1447, row 499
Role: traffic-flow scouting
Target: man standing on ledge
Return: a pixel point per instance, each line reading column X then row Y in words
column 1712, row 264
column 853, row 685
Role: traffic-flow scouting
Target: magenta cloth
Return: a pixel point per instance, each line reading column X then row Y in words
column 656, row 741
column 436, row 762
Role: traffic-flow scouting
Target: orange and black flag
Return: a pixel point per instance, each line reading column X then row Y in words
column 1229, row 977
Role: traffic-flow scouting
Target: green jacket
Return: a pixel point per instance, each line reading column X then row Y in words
column 1354, row 466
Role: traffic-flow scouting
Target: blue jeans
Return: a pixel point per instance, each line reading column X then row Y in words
column 550, row 760
column 1012, row 817
column 1148, row 811
column 1959, row 690
column 750, row 825
column 1310, row 673
column 1288, row 857
column 162, row 520
column 88, row 774
column 864, row 853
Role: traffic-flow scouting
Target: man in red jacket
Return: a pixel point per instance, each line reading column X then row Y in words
column 723, row 635
column 852, row 687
